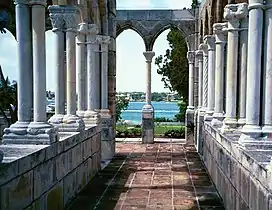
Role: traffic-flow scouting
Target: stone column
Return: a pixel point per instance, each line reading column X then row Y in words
column 148, row 110
column 107, row 131
column 201, row 113
column 232, row 13
column 220, row 42
column 41, row 131
column 81, row 60
column 191, row 61
column 252, row 129
column 199, row 56
column 267, row 99
column 243, row 70
column 71, row 121
column 204, row 48
column 25, row 81
column 210, row 40
column 92, row 117
column 59, row 35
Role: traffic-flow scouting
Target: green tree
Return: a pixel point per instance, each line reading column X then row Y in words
column 121, row 105
column 8, row 96
column 195, row 4
column 173, row 66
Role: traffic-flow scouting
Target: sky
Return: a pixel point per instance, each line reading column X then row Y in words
column 131, row 66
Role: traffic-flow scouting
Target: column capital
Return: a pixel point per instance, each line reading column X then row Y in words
column 93, row 29
column 191, row 57
column 234, row 12
column 38, row 2
column 220, row 31
column 210, row 41
column 199, row 55
column 22, row 2
column 149, row 55
column 204, row 48
column 56, row 17
column 71, row 17
column 105, row 41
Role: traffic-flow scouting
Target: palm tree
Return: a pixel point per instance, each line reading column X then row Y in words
column 8, row 96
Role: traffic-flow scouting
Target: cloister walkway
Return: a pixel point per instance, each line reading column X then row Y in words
column 165, row 175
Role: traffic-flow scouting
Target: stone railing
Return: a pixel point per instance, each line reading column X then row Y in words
column 49, row 176
column 242, row 175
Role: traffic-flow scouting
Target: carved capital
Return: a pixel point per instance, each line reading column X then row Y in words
column 235, row 12
column 199, row 55
column 71, row 17
column 38, row 2
column 149, row 55
column 21, row 2
column 105, row 41
column 83, row 29
column 220, row 31
column 204, row 48
column 56, row 17
column 210, row 41
column 93, row 29
column 191, row 57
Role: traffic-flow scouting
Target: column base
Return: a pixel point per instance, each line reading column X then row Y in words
column 71, row 123
column 190, row 108
column 36, row 133
column 267, row 131
column 91, row 117
column 250, row 134
column 208, row 116
column 229, row 125
column 80, row 113
column 241, row 122
column 148, row 124
column 217, row 119
column 56, row 119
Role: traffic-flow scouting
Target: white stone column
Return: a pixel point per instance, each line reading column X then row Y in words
column 243, row 70
column 210, row 40
column 267, row 98
column 81, row 60
column 104, row 71
column 57, row 21
column 232, row 13
column 148, row 56
column 199, row 56
column 252, row 128
column 191, row 60
column 204, row 48
column 220, row 30
column 148, row 110
column 25, row 80
column 44, row 132
column 93, row 40
column 71, row 121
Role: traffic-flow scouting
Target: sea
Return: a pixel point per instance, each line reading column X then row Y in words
column 133, row 114
column 162, row 109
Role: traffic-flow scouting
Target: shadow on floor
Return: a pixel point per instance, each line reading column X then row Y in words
column 158, row 176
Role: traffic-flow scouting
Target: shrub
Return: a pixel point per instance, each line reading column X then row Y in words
column 175, row 133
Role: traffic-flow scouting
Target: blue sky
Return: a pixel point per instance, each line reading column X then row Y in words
column 131, row 66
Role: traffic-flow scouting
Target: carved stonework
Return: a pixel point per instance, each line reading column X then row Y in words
column 105, row 41
column 199, row 55
column 149, row 55
column 234, row 12
column 210, row 40
column 71, row 17
column 204, row 47
column 38, row 2
column 220, row 30
column 191, row 56
column 56, row 17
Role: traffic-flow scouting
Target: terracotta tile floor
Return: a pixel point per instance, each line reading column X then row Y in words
column 158, row 176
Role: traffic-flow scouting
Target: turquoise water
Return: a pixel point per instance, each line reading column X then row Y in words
column 162, row 109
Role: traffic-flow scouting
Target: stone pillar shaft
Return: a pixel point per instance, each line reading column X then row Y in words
column 81, row 60
column 199, row 55
column 71, row 72
column 191, row 59
column 204, row 47
column 39, row 64
column 211, row 70
column 252, row 128
column 267, row 99
column 220, row 41
column 24, row 85
column 104, row 72
column 243, row 71
column 148, row 56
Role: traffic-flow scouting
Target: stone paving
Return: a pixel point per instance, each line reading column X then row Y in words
column 164, row 175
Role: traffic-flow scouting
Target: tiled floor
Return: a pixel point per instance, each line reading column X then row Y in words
column 158, row 176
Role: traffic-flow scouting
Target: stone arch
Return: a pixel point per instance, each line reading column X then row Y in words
column 184, row 28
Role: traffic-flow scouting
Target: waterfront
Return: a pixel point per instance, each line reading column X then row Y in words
column 162, row 109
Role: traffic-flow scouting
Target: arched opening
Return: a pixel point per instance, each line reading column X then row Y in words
column 8, row 55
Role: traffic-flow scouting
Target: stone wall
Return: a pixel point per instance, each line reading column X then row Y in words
column 48, row 177
column 241, row 175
